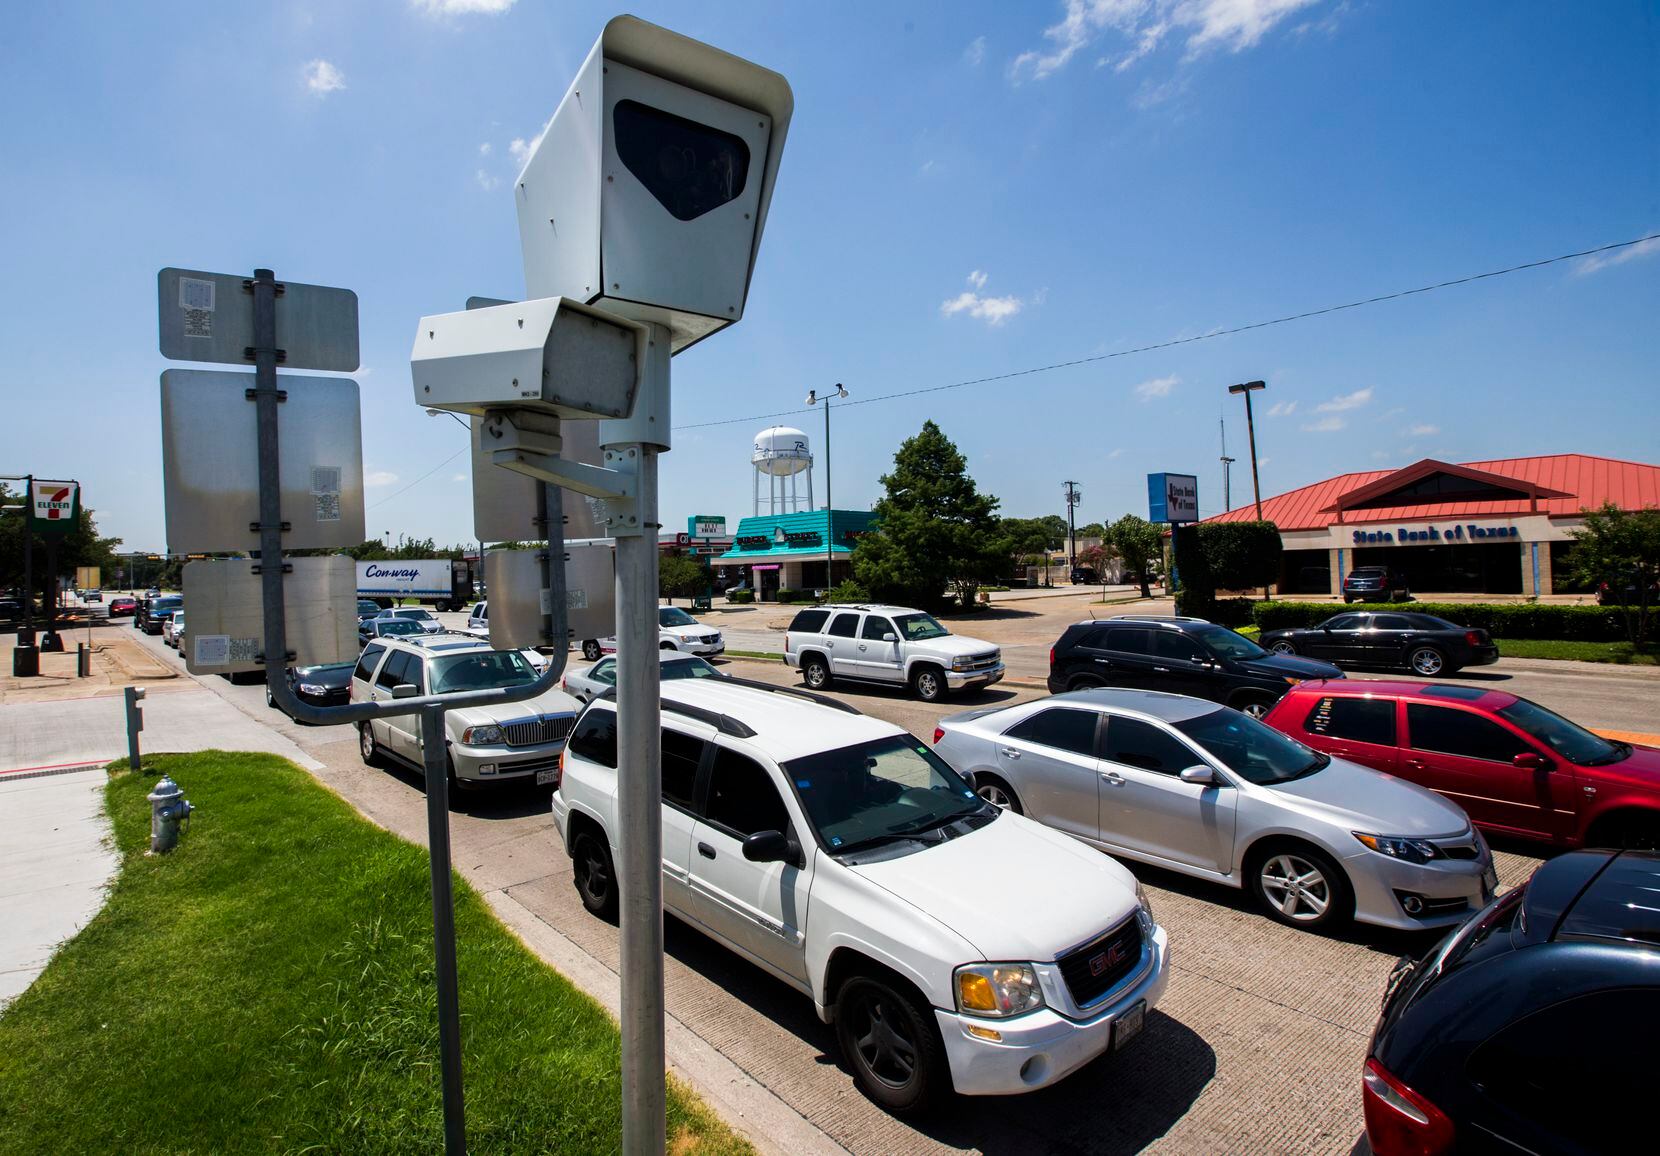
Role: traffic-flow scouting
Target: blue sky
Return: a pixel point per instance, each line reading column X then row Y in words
column 968, row 189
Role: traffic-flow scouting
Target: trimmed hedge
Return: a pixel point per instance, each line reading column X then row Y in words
column 739, row 597
column 796, row 596
column 1526, row 620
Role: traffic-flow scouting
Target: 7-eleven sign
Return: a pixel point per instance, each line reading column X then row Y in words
column 53, row 506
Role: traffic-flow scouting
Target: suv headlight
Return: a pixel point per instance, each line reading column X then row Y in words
column 999, row 990
column 314, row 689
column 1400, row 847
column 1146, row 903
column 479, row 736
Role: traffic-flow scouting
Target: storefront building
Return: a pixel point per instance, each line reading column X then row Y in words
column 1496, row 527
column 810, row 550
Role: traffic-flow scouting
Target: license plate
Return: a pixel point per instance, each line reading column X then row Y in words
column 1128, row 1026
column 1489, row 883
column 543, row 778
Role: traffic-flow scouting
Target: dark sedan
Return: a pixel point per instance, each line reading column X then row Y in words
column 1375, row 584
column 123, row 607
column 1422, row 643
column 383, row 627
column 1530, row 1028
column 327, row 685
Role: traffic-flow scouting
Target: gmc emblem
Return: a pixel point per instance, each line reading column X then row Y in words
column 1098, row 964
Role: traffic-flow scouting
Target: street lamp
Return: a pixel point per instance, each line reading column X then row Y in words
column 813, row 398
column 1073, row 496
column 1247, row 388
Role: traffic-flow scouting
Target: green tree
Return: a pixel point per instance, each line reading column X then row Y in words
column 680, row 577
column 1140, row 544
column 1092, row 530
column 1241, row 555
column 1622, row 548
column 934, row 529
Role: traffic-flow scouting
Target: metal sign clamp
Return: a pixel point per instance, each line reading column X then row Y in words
column 253, row 394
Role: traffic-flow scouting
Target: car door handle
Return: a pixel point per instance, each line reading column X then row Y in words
column 862, row 646
column 1161, row 670
column 1416, row 764
column 705, row 850
column 1010, row 752
column 1113, row 777
column 1104, row 661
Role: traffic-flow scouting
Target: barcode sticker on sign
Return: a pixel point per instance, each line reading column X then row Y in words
column 212, row 649
column 325, row 479
column 196, row 299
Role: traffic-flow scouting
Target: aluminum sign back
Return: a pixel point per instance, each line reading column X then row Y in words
column 210, row 317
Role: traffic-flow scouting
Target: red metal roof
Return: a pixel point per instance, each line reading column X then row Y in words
column 1582, row 479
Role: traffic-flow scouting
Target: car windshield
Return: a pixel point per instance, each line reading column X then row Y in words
column 885, row 787
column 1570, row 740
column 1367, row 572
column 689, row 668
column 674, row 616
column 415, row 615
column 1253, row 751
column 916, row 627
column 1225, row 642
column 480, row 670
column 398, row 626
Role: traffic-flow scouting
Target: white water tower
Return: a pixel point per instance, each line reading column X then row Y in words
column 782, row 456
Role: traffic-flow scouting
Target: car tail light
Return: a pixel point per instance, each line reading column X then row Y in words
column 939, row 733
column 1051, row 658
column 1400, row 1122
column 1473, row 637
column 559, row 771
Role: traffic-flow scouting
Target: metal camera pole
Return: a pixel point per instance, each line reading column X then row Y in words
column 631, row 447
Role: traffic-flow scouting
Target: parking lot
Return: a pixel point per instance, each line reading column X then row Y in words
column 1257, row 1046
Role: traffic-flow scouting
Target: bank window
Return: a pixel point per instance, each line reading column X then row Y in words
column 681, row 756
column 1061, row 728
column 844, row 625
column 742, row 796
column 1129, row 641
column 1361, row 720
column 1137, row 744
column 876, row 627
column 1456, row 732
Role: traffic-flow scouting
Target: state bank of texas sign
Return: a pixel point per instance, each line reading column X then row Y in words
column 1172, row 498
column 54, row 506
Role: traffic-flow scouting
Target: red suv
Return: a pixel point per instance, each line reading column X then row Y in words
column 1515, row 767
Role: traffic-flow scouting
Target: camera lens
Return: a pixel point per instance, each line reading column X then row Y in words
column 689, row 167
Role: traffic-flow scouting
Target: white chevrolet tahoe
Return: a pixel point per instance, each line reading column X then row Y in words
column 952, row 944
column 889, row 644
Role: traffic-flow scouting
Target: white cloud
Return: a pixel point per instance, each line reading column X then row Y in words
column 975, row 54
column 379, row 478
column 992, row 310
column 461, row 7
column 1115, row 453
column 1146, row 24
column 486, row 181
column 485, row 149
column 322, row 78
column 1597, row 261
column 1157, row 387
column 520, row 148
column 459, row 478
column 1282, row 409
column 927, row 166
column 1324, row 425
column 1346, row 402
column 1424, row 431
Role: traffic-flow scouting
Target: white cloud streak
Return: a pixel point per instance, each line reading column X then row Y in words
column 1206, row 24
column 1324, row 425
column 1596, row 262
column 1282, row 409
column 992, row 310
column 1157, row 387
column 379, row 478
column 1423, row 431
column 322, row 78
column 1347, row 401
column 461, row 7
column 975, row 54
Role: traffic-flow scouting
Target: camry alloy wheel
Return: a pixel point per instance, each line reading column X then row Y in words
column 1298, row 888
column 994, row 794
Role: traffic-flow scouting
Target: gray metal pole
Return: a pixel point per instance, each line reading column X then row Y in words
column 829, row 514
column 135, row 723
column 639, row 760
column 435, row 757
column 1251, row 428
column 27, row 637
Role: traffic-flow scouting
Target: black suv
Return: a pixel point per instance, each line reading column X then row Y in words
column 1180, row 655
column 1375, row 584
column 1531, row 1027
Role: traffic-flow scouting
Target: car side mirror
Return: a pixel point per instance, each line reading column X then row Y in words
column 890, row 637
column 1532, row 761
column 1200, row 776
column 768, row 847
column 406, row 690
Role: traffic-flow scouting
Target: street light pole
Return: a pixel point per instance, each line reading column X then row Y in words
column 1247, row 388
column 813, row 398
column 1073, row 496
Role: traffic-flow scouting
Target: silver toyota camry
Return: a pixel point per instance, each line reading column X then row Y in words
column 1202, row 789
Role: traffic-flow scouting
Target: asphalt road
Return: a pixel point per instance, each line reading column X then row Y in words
column 1257, row 1046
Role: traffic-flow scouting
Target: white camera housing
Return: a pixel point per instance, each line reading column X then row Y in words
column 553, row 356
column 648, row 190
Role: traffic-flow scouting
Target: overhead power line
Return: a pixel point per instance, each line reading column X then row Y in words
column 419, row 480
column 1190, row 340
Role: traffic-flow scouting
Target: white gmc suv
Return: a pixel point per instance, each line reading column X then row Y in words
column 952, row 944
column 889, row 644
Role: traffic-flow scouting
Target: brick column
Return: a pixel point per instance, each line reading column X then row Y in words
column 1336, row 560
column 1527, row 549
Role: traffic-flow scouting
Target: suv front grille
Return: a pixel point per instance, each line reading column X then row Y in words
column 1095, row 967
column 979, row 662
column 530, row 732
column 711, row 638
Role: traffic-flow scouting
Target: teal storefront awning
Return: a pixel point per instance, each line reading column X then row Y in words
column 809, row 534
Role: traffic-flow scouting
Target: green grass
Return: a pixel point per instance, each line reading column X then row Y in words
column 754, row 654
column 268, row 986
column 1617, row 652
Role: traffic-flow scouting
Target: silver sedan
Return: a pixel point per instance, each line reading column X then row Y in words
column 1193, row 787
column 586, row 685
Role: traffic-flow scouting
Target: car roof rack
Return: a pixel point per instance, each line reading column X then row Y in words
column 724, row 723
column 1157, row 618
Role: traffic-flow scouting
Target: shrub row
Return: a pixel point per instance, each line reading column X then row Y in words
column 1529, row 620
column 740, row 596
